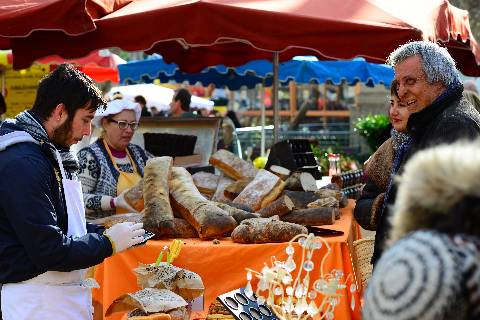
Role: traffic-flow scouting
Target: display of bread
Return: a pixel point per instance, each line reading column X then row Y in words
column 264, row 230
column 262, row 190
column 158, row 215
column 206, row 182
column 134, row 196
column 148, row 300
column 209, row 220
column 231, row 165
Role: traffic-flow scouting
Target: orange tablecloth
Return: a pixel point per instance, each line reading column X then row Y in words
column 222, row 266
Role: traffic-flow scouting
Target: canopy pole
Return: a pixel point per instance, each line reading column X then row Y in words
column 276, row 107
column 262, row 119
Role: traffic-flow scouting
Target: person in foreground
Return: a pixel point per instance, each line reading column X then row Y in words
column 429, row 84
column 112, row 165
column 378, row 167
column 432, row 269
column 45, row 243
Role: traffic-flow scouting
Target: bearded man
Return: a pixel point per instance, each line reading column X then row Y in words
column 45, row 243
column 430, row 85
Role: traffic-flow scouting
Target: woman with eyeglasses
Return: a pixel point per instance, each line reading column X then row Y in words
column 112, row 165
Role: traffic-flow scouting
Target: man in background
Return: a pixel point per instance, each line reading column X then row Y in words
column 180, row 105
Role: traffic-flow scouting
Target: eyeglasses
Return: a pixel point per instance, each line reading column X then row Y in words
column 122, row 124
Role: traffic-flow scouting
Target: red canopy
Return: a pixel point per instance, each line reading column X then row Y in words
column 198, row 33
column 19, row 18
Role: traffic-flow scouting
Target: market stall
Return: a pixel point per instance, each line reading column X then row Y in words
column 222, row 266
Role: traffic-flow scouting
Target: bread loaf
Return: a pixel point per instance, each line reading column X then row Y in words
column 137, row 314
column 231, row 165
column 238, row 214
column 233, row 190
column 205, row 182
column 264, row 230
column 183, row 229
column 148, row 300
column 158, row 217
column 279, row 207
column 219, row 195
column 185, row 283
column 260, row 188
column 134, row 196
column 209, row 220
column 109, row 221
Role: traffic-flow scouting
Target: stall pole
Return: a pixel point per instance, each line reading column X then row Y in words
column 262, row 120
column 276, row 108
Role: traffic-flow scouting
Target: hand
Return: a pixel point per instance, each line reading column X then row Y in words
column 120, row 202
column 124, row 235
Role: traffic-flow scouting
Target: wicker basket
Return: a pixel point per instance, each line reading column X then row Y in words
column 362, row 254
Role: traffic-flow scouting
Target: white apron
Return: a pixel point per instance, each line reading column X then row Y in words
column 53, row 294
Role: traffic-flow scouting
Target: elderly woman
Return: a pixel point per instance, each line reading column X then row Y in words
column 379, row 166
column 432, row 268
column 112, row 165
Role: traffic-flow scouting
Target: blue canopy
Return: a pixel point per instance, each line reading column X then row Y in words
column 258, row 71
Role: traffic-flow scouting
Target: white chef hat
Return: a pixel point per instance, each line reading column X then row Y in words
column 114, row 107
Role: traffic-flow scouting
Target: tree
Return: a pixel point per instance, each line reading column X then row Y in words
column 474, row 14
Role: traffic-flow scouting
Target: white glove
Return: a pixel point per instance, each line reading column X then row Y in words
column 120, row 202
column 124, row 235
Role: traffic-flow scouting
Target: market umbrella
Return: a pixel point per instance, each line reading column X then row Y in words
column 157, row 96
column 19, row 18
column 233, row 32
column 300, row 69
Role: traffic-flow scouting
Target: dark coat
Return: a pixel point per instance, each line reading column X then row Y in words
column 33, row 217
column 447, row 119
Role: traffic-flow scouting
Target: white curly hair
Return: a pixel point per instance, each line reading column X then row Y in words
column 437, row 63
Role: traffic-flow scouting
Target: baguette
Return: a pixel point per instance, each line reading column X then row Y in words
column 264, row 230
column 209, row 220
column 158, row 217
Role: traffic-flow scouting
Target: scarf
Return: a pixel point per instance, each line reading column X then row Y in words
column 397, row 139
column 30, row 124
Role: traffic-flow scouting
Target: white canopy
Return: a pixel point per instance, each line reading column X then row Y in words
column 157, row 96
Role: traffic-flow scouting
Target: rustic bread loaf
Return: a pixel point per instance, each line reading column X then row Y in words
column 183, row 229
column 238, row 214
column 158, row 216
column 263, row 186
column 219, row 195
column 233, row 190
column 148, row 300
column 231, row 165
column 209, row 220
column 264, row 230
column 134, row 196
column 205, row 182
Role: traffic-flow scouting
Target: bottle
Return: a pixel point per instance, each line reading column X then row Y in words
column 332, row 169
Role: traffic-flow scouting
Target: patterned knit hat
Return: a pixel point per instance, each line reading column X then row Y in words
column 420, row 277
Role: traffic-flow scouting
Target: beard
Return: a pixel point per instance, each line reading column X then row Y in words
column 62, row 135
